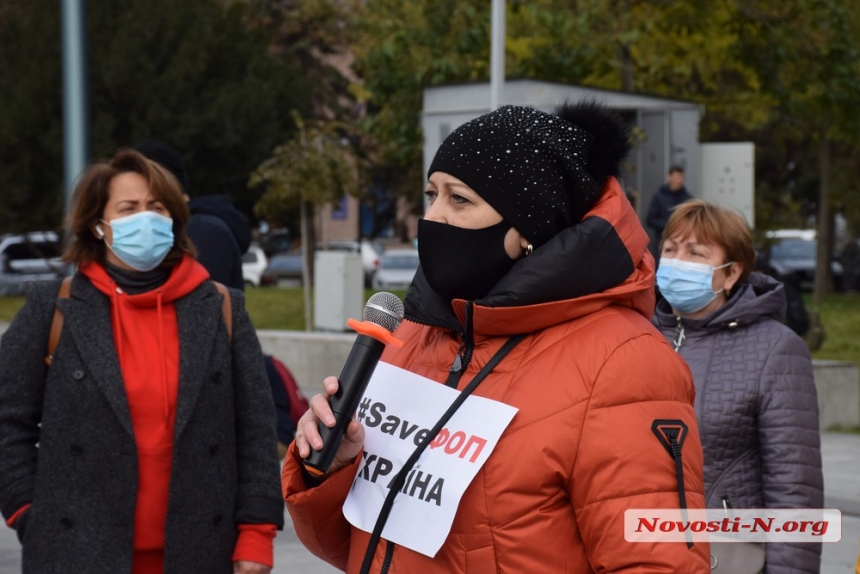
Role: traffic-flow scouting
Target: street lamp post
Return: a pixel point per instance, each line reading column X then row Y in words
column 75, row 132
column 497, row 53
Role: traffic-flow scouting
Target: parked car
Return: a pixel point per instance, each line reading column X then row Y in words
column 850, row 261
column 396, row 269
column 283, row 266
column 254, row 263
column 29, row 257
column 276, row 242
column 793, row 253
column 370, row 252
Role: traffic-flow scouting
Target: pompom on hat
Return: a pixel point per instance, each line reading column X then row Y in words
column 541, row 172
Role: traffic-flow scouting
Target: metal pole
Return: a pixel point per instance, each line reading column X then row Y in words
column 75, row 132
column 497, row 53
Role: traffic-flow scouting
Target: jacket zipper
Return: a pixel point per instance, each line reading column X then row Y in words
column 464, row 354
column 680, row 335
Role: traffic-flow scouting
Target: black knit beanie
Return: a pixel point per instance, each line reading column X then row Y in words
column 167, row 157
column 541, row 172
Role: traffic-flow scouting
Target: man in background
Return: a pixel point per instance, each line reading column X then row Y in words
column 219, row 231
column 222, row 235
column 669, row 196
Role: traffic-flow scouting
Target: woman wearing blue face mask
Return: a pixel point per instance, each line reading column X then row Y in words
column 755, row 396
column 137, row 428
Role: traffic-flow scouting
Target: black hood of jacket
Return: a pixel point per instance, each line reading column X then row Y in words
column 221, row 206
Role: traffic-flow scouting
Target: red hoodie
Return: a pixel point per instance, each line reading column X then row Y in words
column 146, row 336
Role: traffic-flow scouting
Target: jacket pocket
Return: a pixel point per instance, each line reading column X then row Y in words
column 743, row 466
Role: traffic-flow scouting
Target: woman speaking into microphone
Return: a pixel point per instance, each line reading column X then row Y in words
column 534, row 294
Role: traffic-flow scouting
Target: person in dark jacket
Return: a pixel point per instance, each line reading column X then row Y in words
column 222, row 235
column 669, row 196
column 220, row 232
column 755, row 396
column 148, row 443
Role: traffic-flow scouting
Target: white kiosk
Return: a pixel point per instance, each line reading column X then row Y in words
column 666, row 132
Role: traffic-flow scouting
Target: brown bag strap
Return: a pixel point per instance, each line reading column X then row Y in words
column 66, row 289
column 57, row 321
column 226, row 308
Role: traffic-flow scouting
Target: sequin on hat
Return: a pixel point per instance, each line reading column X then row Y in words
column 530, row 166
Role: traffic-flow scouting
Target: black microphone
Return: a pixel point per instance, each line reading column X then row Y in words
column 383, row 312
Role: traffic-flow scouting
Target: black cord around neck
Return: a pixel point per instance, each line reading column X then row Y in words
column 397, row 482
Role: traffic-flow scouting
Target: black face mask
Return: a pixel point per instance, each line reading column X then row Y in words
column 463, row 263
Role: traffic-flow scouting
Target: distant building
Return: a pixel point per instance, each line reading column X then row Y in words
column 666, row 130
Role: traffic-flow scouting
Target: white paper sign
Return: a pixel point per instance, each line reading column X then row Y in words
column 397, row 410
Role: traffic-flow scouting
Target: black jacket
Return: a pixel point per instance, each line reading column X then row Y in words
column 661, row 206
column 222, row 235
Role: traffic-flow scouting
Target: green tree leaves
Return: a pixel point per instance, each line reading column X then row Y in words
column 31, row 138
column 194, row 74
column 317, row 165
column 217, row 80
column 197, row 76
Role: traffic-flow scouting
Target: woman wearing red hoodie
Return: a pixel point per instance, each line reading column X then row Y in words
column 148, row 444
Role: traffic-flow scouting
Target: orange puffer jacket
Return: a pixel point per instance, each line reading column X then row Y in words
column 589, row 379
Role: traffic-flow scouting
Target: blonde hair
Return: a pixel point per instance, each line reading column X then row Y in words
column 716, row 225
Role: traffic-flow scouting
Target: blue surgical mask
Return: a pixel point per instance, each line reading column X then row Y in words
column 687, row 286
column 141, row 240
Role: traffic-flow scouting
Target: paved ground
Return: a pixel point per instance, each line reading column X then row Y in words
column 841, row 453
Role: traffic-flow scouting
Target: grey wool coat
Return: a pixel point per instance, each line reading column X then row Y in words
column 67, row 444
column 757, row 409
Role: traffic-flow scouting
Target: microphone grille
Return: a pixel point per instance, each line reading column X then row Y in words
column 385, row 309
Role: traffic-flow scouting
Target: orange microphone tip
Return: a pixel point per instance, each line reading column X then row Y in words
column 313, row 471
column 378, row 332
